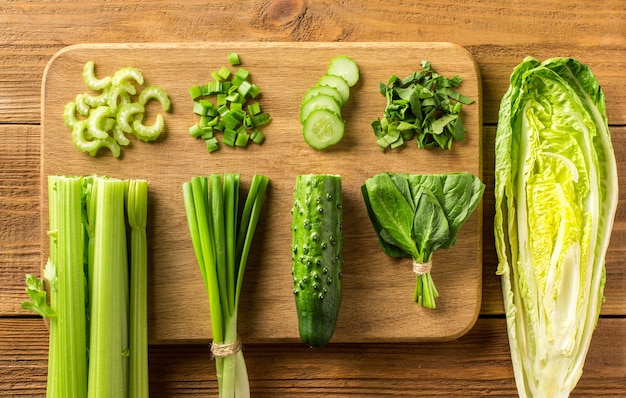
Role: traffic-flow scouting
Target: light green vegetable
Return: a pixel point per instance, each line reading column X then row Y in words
column 323, row 128
column 137, row 205
column 103, row 121
column 346, row 68
column 320, row 109
column 109, row 290
column 64, row 271
column 233, row 59
column 90, row 346
column 556, row 197
column 415, row 215
column 320, row 101
column 221, row 236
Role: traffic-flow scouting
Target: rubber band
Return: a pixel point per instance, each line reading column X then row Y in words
column 422, row 268
column 225, row 349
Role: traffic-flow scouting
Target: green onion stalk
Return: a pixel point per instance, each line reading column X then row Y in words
column 221, row 236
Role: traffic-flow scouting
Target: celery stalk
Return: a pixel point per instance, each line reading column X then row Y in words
column 221, row 241
column 98, row 343
column 68, row 327
column 108, row 353
column 137, row 205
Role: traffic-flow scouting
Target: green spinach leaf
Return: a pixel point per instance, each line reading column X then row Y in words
column 416, row 214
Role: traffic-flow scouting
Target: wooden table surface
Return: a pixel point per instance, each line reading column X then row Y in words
column 498, row 34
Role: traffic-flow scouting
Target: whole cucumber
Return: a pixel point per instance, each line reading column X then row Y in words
column 317, row 255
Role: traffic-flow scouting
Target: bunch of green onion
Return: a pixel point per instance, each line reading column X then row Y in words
column 221, row 235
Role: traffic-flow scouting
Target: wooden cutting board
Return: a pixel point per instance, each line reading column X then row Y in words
column 378, row 301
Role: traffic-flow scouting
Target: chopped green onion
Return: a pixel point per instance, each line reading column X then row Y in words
column 254, row 91
column 254, row 108
column 234, row 117
column 195, row 92
column 244, row 88
column 261, row 119
column 236, row 106
column 230, row 136
column 257, row 137
column 242, row 139
column 207, row 132
column 233, row 59
column 242, row 73
column 224, row 73
column 211, row 144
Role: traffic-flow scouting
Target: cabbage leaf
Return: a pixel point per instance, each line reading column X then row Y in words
column 556, row 196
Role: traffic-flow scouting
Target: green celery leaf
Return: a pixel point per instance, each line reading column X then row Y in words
column 37, row 293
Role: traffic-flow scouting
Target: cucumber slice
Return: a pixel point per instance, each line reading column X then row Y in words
column 346, row 68
column 326, row 90
column 323, row 128
column 319, row 102
column 337, row 82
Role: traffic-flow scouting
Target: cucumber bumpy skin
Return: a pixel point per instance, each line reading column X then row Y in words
column 317, row 255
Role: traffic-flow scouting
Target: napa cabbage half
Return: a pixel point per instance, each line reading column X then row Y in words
column 556, row 197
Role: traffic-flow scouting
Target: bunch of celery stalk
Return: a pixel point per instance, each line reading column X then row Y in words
column 221, row 232
column 97, row 285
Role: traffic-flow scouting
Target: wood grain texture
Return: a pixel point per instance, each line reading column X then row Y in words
column 20, row 213
column 20, row 251
column 498, row 35
column 476, row 365
column 284, row 72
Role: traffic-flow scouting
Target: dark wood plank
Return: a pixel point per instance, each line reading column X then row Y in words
column 476, row 365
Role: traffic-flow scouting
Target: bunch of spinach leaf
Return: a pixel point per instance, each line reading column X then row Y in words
column 422, row 105
column 415, row 214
